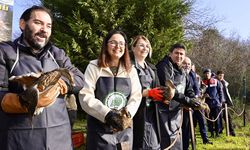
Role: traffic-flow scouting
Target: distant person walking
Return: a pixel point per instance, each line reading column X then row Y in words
column 214, row 101
column 227, row 99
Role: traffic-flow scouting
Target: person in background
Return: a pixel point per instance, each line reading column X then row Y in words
column 227, row 99
column 188, row 67
column 146, row 120
column 111, row 83
column 32, row 52
column 198, row 77
column 170, row 68
column 214, row 101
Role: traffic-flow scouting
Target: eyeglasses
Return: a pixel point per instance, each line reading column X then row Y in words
column 116, row 43
column 143, row 46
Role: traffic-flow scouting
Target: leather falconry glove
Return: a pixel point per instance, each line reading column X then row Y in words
column 46, row 85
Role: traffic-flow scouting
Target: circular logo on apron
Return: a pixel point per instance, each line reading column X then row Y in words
column 115, row 100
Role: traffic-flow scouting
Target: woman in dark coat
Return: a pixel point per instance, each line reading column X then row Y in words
column 146, row 121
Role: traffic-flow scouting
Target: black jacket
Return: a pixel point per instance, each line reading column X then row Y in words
column 171, row 115
column 140, row 116
column 167, row 70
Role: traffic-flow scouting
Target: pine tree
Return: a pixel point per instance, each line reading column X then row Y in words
column 80, row 25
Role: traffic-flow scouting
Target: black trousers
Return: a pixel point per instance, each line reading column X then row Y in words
column 214, row 126
column 202, row 124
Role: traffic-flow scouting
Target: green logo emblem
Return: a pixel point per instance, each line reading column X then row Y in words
column 115, row 100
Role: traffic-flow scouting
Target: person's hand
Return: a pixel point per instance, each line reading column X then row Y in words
column 197, row 104
column 156, row 94
column 119, row 120
column 113, row 119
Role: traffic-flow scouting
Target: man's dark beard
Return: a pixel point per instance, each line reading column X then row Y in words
column 30, row 40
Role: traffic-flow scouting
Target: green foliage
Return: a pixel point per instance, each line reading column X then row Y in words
column 80, row 25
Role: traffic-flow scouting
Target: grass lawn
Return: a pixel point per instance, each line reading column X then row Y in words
column 240, row 142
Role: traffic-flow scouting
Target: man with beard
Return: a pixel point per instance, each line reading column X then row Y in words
column 33, row 53
column 187, row 66
column 170, row 68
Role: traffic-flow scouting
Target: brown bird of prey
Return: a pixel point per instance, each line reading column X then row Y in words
column 202, row 99
column 168, row 91
column 124, row 118
column 35, row 83
column 43, row 80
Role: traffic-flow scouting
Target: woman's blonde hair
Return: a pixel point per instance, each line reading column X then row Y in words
column 137, row 38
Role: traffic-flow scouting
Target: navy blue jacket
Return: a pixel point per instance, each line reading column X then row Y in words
column 214, row 91
column 194, row 83
column 53, row 121
column 171, row 115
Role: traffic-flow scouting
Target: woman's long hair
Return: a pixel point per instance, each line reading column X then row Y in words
column 104, row 57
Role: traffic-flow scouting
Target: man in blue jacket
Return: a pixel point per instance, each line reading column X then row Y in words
column 214, row 101
column 187, row 65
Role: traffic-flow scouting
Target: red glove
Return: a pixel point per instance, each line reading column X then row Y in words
column 156, row 94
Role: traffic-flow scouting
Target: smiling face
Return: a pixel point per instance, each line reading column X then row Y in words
column 116, row 47
column 141, row 49
column 37, row 29
column 187, row 64
column 178, row 55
